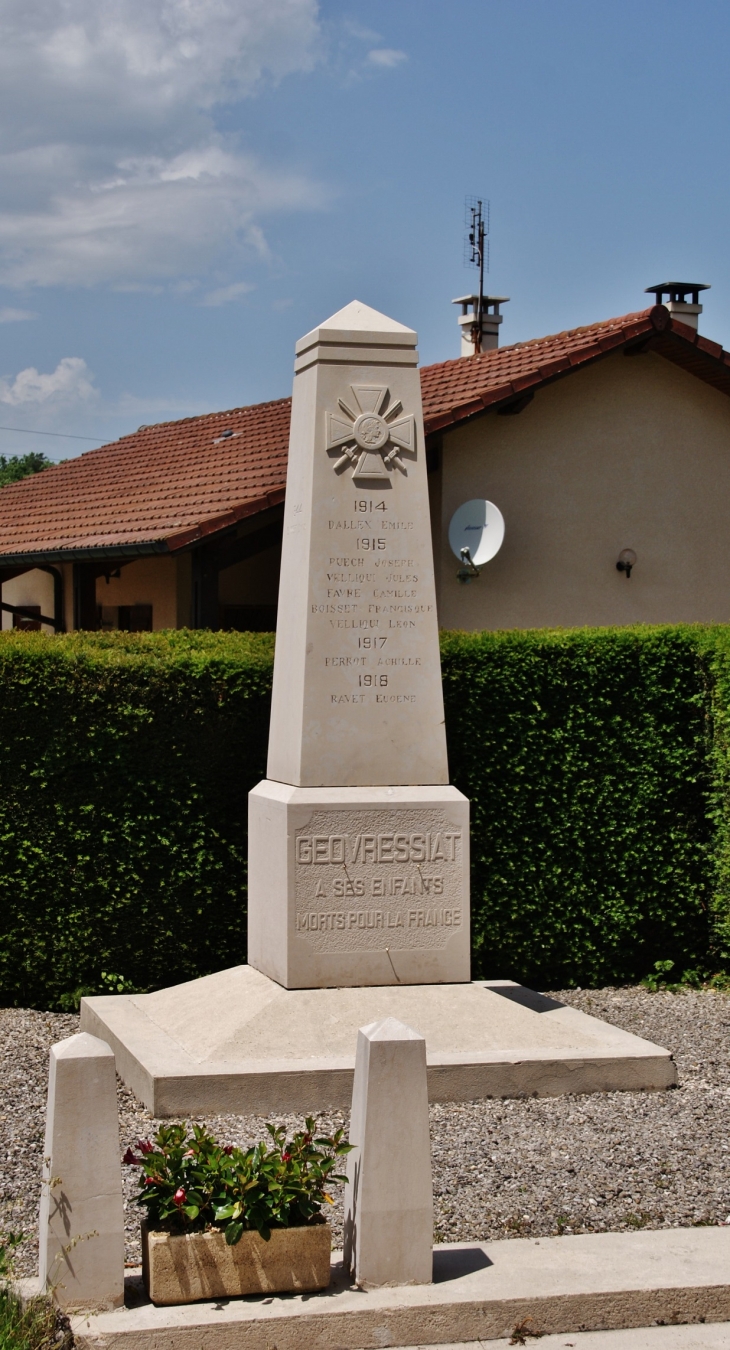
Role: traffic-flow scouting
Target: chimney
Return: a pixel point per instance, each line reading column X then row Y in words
column 491, row 319
column 677, row 303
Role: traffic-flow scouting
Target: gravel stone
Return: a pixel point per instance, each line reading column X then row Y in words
column 514, row 1168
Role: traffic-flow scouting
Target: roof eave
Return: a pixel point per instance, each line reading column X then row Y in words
column 80, row 555
column 180, row 541
column 657, row 320
column 215, row 525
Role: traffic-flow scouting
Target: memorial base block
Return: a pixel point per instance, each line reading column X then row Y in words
column 358, row 886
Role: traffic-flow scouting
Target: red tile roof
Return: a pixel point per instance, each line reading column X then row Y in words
column 166, row 486
column 462, row 388
column 456, row 390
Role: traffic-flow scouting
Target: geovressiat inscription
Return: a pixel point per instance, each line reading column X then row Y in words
column 367, row 879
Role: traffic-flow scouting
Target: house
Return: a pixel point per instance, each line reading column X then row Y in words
column 602, row 441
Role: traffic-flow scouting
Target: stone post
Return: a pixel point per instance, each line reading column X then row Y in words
column 358, row 861
column 389, row 1194
column 81, row 1238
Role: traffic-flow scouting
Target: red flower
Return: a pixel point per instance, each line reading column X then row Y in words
column 131, row 1159
column 151, row 1181
column 286, row 1157
column 145, row 1146
column 179, row 1197
column 228, row 1150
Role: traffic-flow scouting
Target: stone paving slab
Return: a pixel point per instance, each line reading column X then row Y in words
column 238, row 1042
column 713, row 1337
column 480, row 1293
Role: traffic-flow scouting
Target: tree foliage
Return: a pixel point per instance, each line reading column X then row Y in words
column 15, row 467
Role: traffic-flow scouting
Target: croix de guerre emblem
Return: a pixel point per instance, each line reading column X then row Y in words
column 372, row 437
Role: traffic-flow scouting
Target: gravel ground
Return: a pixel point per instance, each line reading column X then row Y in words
column 513, row 1168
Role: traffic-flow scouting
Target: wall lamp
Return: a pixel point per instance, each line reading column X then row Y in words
column 468, row 569
column 626, row 561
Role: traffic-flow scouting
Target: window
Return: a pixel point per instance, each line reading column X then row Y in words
column 135, row 618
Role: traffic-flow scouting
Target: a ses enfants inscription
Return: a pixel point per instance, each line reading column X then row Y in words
column 366, row 879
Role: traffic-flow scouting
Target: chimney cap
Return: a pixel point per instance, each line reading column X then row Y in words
column 488, row 299
column 677, row 291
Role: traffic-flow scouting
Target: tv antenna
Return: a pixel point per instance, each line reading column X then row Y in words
column 476, row 254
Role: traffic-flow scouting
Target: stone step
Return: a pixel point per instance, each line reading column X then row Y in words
column 481, row 1292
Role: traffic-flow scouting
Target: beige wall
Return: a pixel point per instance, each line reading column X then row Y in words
column 630, row 453
column 30, row 588
column 147, row 581
column 166, row 584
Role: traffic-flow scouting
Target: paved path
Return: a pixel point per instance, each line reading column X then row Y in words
column 714, row 1337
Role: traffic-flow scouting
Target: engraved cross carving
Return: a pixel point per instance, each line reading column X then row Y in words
column 371, row 439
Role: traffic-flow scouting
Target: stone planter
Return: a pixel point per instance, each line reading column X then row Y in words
column 182, row 1269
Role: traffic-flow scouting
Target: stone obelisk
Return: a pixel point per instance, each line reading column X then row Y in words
column 358, row 847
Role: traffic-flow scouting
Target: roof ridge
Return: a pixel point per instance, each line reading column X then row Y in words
column 487, row 357
column 195, row 417
column 152, row 426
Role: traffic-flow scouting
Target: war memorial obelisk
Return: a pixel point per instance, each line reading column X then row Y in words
column 358, row 884
column 358, row 848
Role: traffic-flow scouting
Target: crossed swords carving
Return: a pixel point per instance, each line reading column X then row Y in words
column 366, row 435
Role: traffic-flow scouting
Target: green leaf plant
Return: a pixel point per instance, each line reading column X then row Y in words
column 190, row 1183
column 658, row 980
column 33, row 1323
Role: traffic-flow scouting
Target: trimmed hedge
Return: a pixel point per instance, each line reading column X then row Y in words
column 597, row 762
column 718, row 665
column 125, row 761
column 585, row 755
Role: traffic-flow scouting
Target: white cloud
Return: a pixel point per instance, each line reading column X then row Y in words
column 8, row 315
column 224, row 294
column 156, row 219
column 357, row 30
column 70, row 382
column 111, row 165
column 162, row 54
column 386, row 57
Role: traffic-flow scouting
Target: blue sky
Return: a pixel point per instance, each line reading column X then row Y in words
column 187, row 186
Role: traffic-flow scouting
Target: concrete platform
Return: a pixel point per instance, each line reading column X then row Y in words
column 480, row 1293
column 238, row 1042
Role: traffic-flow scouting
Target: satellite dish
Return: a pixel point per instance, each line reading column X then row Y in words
column 478, row 526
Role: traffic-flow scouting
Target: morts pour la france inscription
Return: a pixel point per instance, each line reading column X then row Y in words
column 368, row 876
